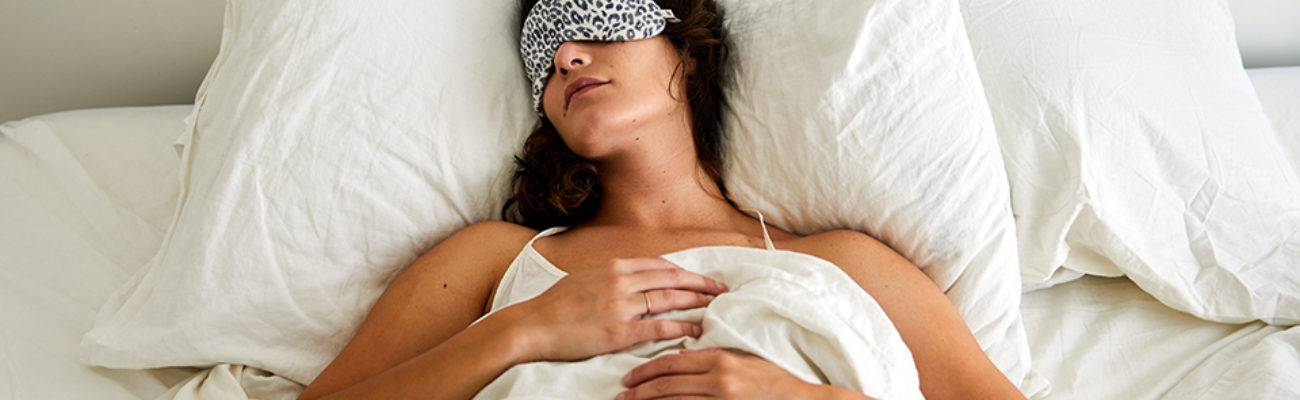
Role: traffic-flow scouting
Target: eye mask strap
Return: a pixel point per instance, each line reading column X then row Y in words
column 668, row 16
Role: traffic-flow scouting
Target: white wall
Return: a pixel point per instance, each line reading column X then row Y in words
column 1268, row 31
column 65, row 54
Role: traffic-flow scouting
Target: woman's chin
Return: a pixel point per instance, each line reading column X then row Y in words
column 586, row 121
column 594, row 126
column 589, row 142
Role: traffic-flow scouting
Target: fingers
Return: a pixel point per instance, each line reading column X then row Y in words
column 634, row 265
column 642, row 274
column 658, row 301
column 687, row 362
column 672, row 387
column 716, row 373
column 674, row 376
column 677, row 278
column 659, row 329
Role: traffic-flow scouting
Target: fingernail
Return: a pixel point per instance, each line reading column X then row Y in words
column 621, row 396
column 695, row 331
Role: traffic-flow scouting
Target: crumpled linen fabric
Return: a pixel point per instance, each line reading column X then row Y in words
column 797, row 311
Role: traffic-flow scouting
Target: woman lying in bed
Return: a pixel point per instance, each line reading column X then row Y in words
column 627, row 155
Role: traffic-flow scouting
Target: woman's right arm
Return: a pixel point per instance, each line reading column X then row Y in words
column 415, row 340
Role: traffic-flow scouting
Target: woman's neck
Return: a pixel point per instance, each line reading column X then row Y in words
column 667, row 192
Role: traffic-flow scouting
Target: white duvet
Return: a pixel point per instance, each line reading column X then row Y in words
column 795, row 310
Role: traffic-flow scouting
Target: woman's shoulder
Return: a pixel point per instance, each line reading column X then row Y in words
column 839, row 240
column 851, row 250
column 482, row 247
column 473, row 257
column 494, row 228
column 491, row 238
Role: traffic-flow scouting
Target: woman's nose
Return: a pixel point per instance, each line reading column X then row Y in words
column 571, row 56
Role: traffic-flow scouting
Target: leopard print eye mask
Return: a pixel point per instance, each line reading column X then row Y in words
column 552, row 22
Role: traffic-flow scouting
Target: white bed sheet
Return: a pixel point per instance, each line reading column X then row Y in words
column 1105, row 338
column 85, row 197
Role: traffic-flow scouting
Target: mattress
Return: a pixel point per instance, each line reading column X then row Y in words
column 85, row 197
column 1105, row 338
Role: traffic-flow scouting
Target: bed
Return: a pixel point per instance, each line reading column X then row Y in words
column 89, row 197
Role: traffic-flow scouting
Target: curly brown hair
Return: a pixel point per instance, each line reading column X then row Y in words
column 553, row 186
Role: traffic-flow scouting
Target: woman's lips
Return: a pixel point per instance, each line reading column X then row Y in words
column 580, row 86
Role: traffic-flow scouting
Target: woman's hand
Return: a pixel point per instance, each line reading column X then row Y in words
column 600, row 309
column 718, row 373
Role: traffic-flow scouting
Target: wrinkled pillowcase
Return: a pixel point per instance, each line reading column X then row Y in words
column 1135, row 145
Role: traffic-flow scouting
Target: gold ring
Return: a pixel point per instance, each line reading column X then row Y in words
column 646, row 295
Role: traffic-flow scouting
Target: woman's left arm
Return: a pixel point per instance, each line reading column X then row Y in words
column 949, row 361
column 718, row 373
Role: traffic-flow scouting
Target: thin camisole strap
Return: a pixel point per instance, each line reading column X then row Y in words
column 767, row 239
column 544, row 233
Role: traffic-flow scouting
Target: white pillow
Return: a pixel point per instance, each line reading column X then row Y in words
column 332, row 143
column 335, row 141
column 869, row 115
column 1133, row 138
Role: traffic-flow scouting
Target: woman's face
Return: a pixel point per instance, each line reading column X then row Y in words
column 604, row 96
